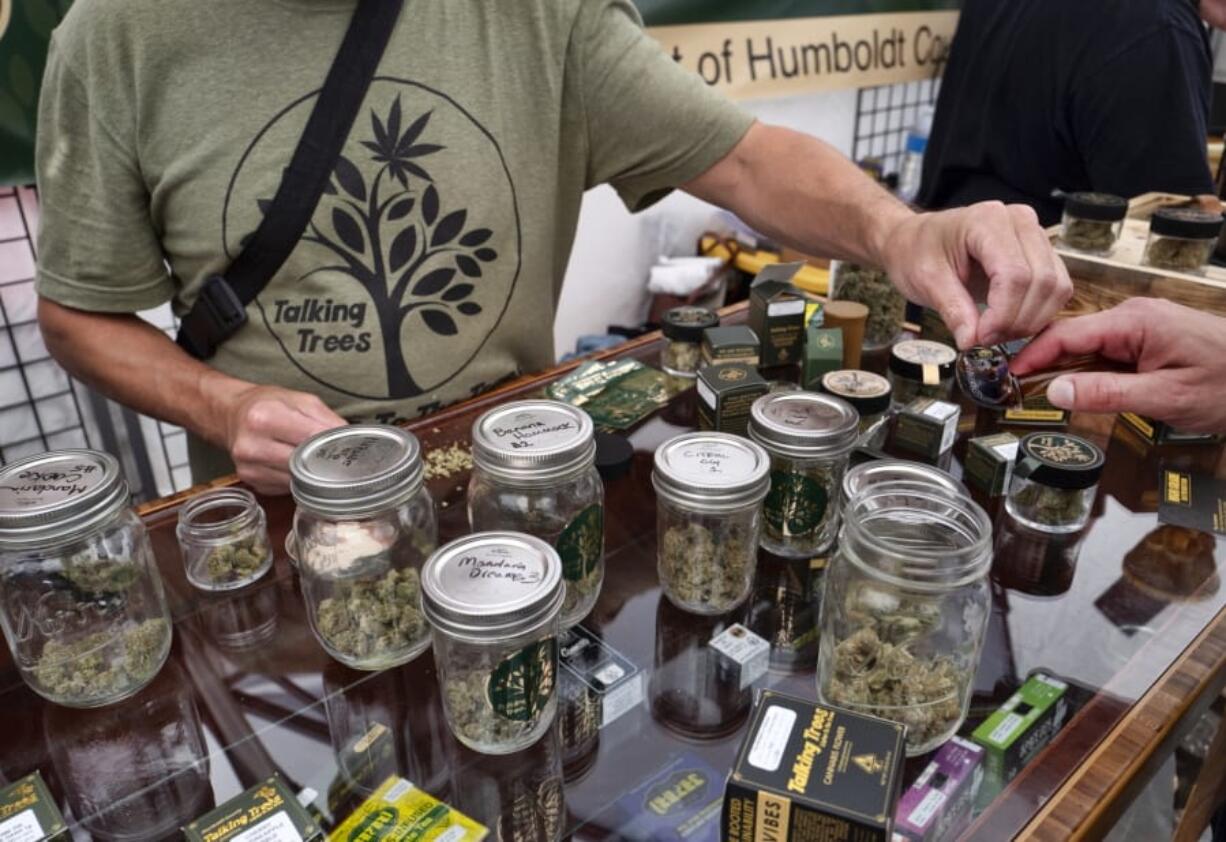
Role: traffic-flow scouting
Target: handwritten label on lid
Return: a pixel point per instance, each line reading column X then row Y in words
column 48, row 483
column 532, row 430
column 493, row 574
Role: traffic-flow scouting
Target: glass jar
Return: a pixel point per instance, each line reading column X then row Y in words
column 1093, row 221
column 534, row 472
column 1182, row 239
column 364, row 525
column 81, row 601
column 905, row 609
column 682, row 328
column 867, row 393
column 881, row 471
column 223, row 535
column 1054, row 482
column 921, row 368
column 709, row 493
column 494, row 600
column 809, row 438
column 887, row 307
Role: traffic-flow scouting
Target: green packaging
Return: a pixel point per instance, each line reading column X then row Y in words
column 823, row 354
column 1019, row 730
column 777, row 314
column 732, row 344
column 27, row 811
column 927, row 427
column 725, row 396
column 269, row 805
column 989, row 462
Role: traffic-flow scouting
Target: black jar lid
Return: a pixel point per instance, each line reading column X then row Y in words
column 918, row 359
column 1097, row 207
column 1060, row 460
column 1186, row 222
column 686, row 324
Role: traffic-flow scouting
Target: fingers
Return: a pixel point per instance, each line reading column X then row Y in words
column 1028, row 284
column 279, row 421
column 1050, row 288
column 959, row 312
column 314, row 408
column 1113, row 333
column 1108, row 393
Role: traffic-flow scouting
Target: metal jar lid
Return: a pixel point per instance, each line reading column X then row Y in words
column 532, row 441
column 355, row 470
column 881, row 471
column 711, row 472
column 492, row 585
column 58, row 496
column 804, row 424
column 1059, row 460
column 868, row 393
column 923, row 360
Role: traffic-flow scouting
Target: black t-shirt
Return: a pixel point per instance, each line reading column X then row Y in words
column 1044, row 95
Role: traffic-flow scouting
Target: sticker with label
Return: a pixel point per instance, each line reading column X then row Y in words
column 23, row 827
column 745, row 649
column 521, row 686
column 267, row 812
column 786, row 308
column 276, row 828
column 607, row 674
column 1002, row 732
column 581, row 544
column 927, row 808
column 772, row 739
column 704, row 392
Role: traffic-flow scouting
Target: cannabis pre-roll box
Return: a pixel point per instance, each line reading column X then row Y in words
column 27, row 812
column 989, row 462
column 1019, row 730
column 267, row 810
column 726, row 394
column 811, row 773
column 777, row 314
column 731, row 344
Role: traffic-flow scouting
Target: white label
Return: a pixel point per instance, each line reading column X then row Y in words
column 23, row 827
column 713, row 463
column 534, row 429
column 1009, row 452
column 1050, row 682
column 610, row 674
column 926, row 809
column 786, row 308
column 1002, row 732
column 620, row 700
column 940, row 410
column 307, row 797
column 750, row 652
column 276, row 828
column 704, row 392
column 451, row 834
column 772, row 740
column 398, row 791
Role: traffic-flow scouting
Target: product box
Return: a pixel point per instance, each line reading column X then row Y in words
column 927, row 427
column 1019, row 730
column 732, row 344
column 823, row 354
column 777, row 314
column 989, row 462
column 811, row 773
column 399, row 810
column 1036, row 411
column 269, row 806
column 725, row 395
column 940, row 802
column 680, row 803
column 611, row 682
column 27, row 812
column 1158, row 432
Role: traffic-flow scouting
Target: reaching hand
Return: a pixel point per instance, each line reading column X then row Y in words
column 945, row 260
column 1179, row 354
column 263, row 426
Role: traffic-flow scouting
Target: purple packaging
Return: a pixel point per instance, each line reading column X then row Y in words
column 938, row 805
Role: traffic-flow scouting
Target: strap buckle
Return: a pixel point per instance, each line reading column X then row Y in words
column 217, row 315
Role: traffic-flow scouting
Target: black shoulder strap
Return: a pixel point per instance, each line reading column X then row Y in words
column 220, row 309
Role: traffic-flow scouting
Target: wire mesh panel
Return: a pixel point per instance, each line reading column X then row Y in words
column 883, row 116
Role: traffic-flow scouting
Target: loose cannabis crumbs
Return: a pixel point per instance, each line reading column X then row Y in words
column 447, row 461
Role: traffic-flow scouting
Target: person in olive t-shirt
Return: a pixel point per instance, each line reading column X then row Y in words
column 432, row 266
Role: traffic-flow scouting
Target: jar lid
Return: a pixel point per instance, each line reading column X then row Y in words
column 356, row 469
column 881, row 471
column 1096, row 207
column 1186, row 222
column 868, row 393
column 686, row 324
column 533, row 440
column 1059, row 460
column 59, row 495
column 492, row 584
column 711, row 471
column 804, row 424
column 924, row 360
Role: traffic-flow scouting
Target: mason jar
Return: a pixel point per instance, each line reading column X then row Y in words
column 709, row 493
column 1055, row 482
column 223, row 536
column 364, row 526
column 905, row 609
column 682, row 328
column 809, row 438
column 534, row 471
column 81, row 601
column 921, row 368
column 494, row 600
column 1093, row 221
column 881, row 471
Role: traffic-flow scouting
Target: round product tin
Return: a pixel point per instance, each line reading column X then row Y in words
column 57, row 496
column 868, row 393
column 355, row 470
column 536, row 440
column 803, row 424
column 711, row 472
column 923, row 360
column 686, row 324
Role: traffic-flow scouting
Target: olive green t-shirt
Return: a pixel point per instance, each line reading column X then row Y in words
column 432, row 267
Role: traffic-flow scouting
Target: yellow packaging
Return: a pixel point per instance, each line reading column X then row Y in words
column 400, row 812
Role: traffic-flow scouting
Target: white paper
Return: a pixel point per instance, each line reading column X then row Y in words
column 23, row 827
column 275, row 828
column 772, row 739
column 926, row 809
column 786, row 308
column 704, row 392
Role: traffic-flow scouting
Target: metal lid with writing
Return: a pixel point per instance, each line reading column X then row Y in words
column 58, row 496
column 1060, row 460
column 868, row 393
column 881, row 471
column 492, row 585
column 355, row 470
column 924, row 360
column 533, row 440
column 711, row 472
column 804, row 424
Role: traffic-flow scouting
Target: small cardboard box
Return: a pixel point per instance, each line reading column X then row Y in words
column 270, row 805
column 732, row 344
column 927, row 427
column 1036, row 411
column 811, row 773
column 989, row 462
column 1019, row 730
column 1158, row 432
column 399, row 810
column 777, row 314
column 939, row 804
column 726, row 394
column 823, row 354
column 27, row 811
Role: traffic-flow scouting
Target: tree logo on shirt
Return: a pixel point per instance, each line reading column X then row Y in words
column 405, row 258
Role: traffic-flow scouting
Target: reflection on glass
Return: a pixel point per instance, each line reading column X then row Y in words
column 580, row 711
column 135, row 771
column 519, row 796
column 784, row 611
column 241, row 619
column 1175, row 564
column 696, row 691
column 1033, row 562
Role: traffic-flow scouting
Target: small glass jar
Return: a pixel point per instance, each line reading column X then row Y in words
column 682, row 328
column 882, row 471
column 1054, row 482
column 809, row 438
column 887, row 307
column 1093, row 221
column 494, row 600
column 905, row 609
column 867, row 393
column 364, row 525
column 1182, row 239
column 81, row 601
column 921, row 368
column 709, row 492
column 534, row 471
column 223, row 535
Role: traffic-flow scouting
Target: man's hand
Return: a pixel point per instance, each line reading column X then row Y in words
column 1179, row 354
column 949, row 259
